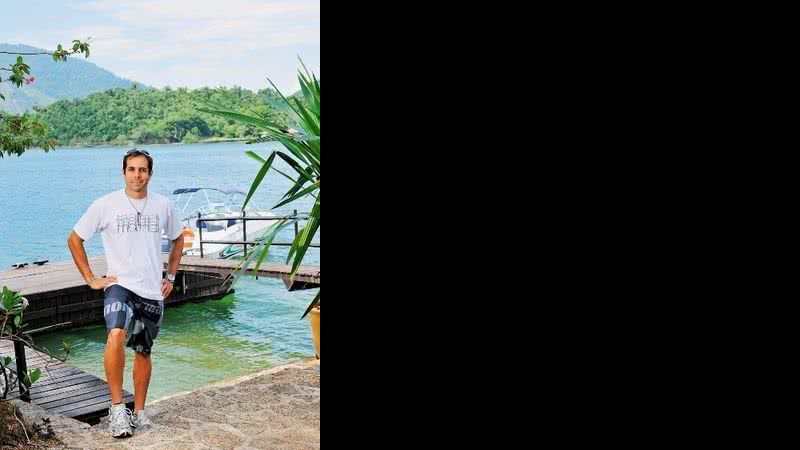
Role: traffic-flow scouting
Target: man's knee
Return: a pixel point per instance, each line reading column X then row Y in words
column 117, row 335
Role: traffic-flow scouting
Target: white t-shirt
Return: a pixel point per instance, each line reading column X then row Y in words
column 132, row 241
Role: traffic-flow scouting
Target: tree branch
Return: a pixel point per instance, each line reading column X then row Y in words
column 26, row 54
column 29, row 343
column 71, row 52
column 21, row 423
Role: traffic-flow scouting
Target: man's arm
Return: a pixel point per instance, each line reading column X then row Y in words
column 175, row 255
column 75, row 244
column 172, row 268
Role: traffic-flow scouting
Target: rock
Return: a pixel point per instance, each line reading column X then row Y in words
column 34, row 417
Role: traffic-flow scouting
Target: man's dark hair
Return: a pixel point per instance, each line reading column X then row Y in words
column 133, row 153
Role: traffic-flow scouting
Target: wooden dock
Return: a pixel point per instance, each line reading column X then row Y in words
column 58, row 294
column 30, row 281
column 308, row 277
column 59, row 297
column 64, row 390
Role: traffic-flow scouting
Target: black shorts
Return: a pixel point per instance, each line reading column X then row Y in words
column 139, row 317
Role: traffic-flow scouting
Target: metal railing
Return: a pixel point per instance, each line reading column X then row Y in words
column 10, row 376
column 244, row 242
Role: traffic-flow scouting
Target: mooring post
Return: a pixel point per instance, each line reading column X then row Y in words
column 244, row 232
column 22, row 367
column 200, row 227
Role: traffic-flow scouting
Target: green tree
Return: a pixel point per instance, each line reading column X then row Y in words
column 20, row 133
column 192, row 137
column 153, row 116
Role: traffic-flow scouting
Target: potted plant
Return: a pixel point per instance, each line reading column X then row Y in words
column 314, row 319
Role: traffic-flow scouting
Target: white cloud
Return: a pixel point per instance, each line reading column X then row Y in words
column 203, row 20
column 196, row 42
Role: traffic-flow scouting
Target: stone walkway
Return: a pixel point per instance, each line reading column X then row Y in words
column 275, row 409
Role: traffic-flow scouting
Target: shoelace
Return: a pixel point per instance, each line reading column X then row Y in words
column 127, row 412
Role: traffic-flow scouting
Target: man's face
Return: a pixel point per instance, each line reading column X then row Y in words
column 137, row 174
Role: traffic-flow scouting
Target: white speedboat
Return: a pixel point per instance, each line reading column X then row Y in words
column 226, row 206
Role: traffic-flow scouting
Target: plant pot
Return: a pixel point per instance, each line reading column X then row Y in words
column 313, row 317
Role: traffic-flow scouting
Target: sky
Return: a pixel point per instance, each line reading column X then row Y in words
column 178, row 43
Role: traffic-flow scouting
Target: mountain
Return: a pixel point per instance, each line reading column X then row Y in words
column 76, row 78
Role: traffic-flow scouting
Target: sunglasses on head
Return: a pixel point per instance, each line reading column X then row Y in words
column 137, row 152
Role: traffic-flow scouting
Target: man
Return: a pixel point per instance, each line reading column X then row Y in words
column 131, row 222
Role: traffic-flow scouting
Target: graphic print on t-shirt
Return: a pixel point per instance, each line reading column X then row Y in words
column 135, row 223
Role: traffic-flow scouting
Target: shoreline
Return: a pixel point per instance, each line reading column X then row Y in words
column 233, row 381
column 106, row 145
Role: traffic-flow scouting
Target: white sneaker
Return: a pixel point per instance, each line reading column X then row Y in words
column 119, row 421
column 141, row 420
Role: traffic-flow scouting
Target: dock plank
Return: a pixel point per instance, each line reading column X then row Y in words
column 307, row 274
column 102, row 402
column 87, row 413
column 71, row 393
column 65, row 390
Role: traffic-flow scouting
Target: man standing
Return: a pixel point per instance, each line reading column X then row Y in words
column 131, row 222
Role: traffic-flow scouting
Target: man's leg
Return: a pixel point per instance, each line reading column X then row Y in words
column 118, row 315
column 114, row 360
column 142, row 368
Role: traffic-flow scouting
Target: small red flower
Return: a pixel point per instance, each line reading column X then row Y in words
column 30, row 80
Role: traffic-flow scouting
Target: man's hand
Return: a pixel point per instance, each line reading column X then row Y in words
column 102, row 283
column 166, row 288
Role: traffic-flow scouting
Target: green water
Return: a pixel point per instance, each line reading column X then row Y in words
column 207, row 342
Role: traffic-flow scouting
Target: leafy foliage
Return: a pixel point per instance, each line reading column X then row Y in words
column 156, row 116
column 19, row 133
column 303, row 156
